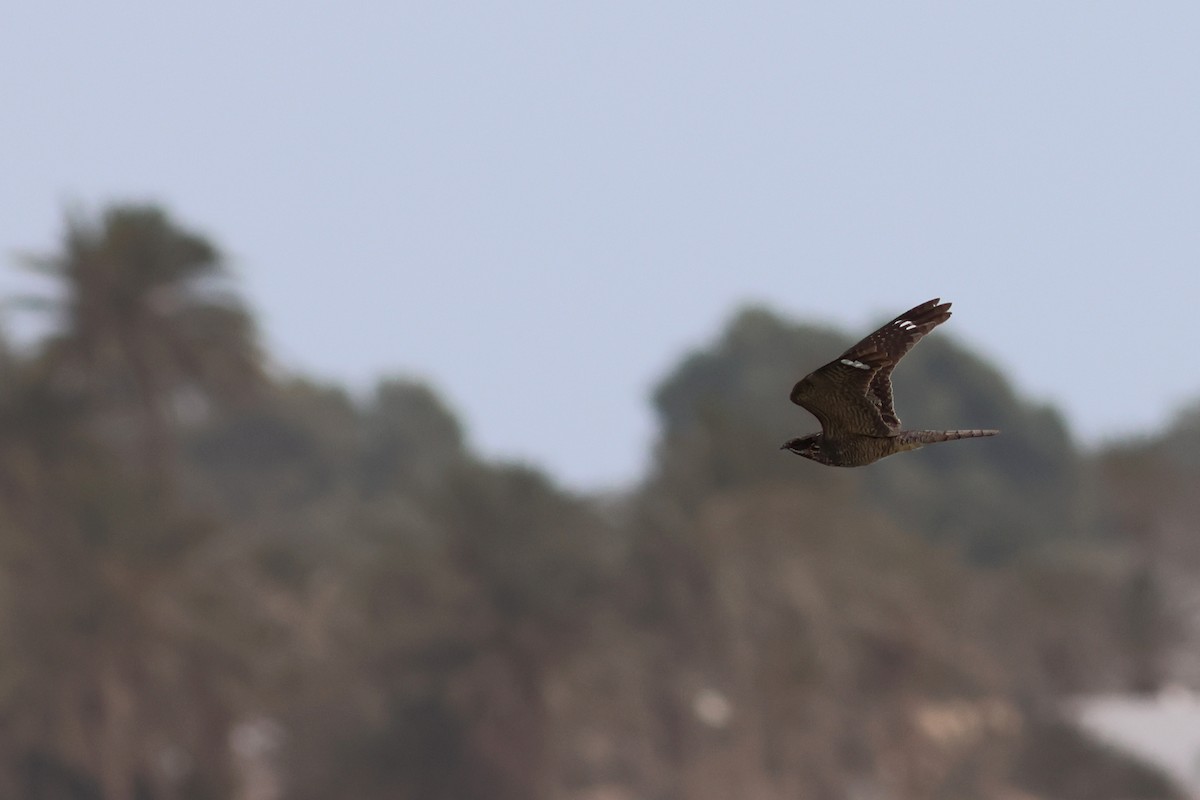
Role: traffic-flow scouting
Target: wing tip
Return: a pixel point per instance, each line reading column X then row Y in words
column 932, row 312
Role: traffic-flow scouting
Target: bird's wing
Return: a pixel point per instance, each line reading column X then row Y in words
column 894, row 340
column 880, row 393
column 836, row 394
column 853, row 393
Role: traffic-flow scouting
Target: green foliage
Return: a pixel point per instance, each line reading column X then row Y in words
column 294, row 445
column 421, row 623
column 1181, row 440
column 108, row 655
column 409, row 437
column 144, row 324
column 726, row 408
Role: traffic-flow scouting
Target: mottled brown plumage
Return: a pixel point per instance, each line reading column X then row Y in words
column 851, row 397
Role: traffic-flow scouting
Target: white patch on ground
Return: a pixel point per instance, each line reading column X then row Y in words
column 1163, row 730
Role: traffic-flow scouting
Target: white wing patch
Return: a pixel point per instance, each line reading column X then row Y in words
column 855, row 364
column 905, row 324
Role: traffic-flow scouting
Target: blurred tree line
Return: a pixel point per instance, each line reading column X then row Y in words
column 218, row 581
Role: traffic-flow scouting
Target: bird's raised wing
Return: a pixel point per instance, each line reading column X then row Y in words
column 853, row 393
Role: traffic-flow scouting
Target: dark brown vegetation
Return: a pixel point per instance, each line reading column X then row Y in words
column 216, row 583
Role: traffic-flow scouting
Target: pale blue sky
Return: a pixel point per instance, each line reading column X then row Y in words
column 541, row 206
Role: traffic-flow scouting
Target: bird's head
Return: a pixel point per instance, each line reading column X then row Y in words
column 807, row 446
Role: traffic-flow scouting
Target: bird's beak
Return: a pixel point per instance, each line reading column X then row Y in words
column 783, row 446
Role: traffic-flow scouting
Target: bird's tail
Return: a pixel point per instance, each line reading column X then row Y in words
column 911, row 440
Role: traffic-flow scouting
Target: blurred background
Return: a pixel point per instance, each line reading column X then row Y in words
column 391, row 394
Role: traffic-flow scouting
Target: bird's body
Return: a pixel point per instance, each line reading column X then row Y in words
column 851, row 397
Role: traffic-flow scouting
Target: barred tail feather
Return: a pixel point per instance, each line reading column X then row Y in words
column 911, row 440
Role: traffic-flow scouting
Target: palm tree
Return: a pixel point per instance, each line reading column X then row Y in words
column 145, row 321
column 109, row 636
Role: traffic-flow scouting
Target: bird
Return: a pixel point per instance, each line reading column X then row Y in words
column 851, row 397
